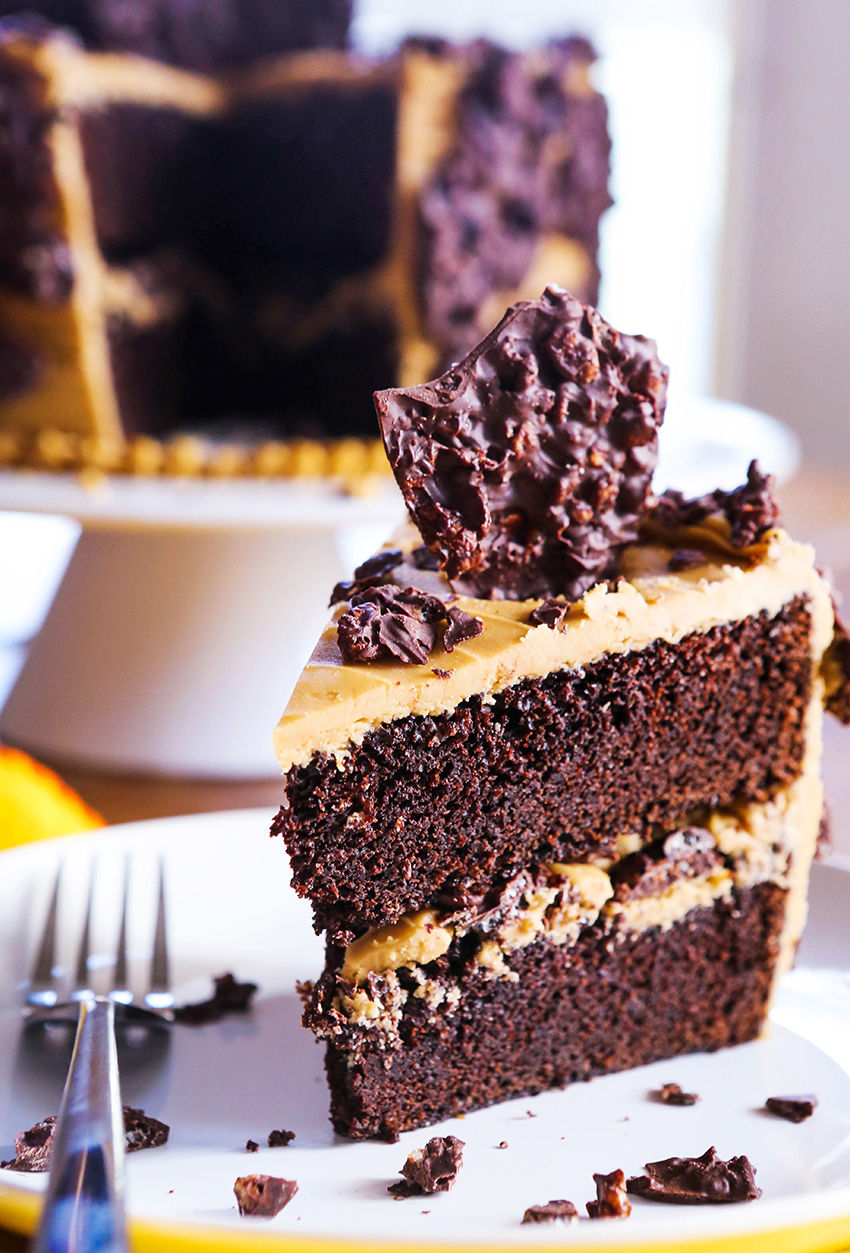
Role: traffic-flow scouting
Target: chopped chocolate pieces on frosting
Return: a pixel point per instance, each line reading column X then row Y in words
column 401, row 622
column 229, row 997
column 432, row 1169
column 33, row 1147
column 750, row 509
column 684, row 854
column 263, row 1196
column 550, row 613
column 672, row 1094
column 611, row 1200
column 793, row 1108
column 552, row 1212
column 527, row 466
column 702, row 1180
column 371, row 573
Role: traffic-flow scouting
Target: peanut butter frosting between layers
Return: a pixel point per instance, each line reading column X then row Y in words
column 335, row 705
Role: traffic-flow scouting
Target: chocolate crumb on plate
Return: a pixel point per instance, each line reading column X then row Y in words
column 527, row 466
column 432, row 1169
column 503, row 1144
column 702, row 1180
column 280, row 1139
column 672, row 1094
column 551, row 1212
column 33, row 1147
column 792, row 1108
column 229, row 997
column 611, row 1200
column 252, row 1146
column 263, row 1196
column 141, row 1131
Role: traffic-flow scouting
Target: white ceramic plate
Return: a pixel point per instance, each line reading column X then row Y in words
column 230, row 909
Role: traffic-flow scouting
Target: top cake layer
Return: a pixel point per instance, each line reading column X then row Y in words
column 335, row 704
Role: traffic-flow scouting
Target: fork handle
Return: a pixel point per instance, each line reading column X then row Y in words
column 83, row 1211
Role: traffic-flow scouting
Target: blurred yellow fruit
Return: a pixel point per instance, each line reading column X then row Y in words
column 35, row 804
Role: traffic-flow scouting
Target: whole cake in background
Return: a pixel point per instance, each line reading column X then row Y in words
column 252, row 250
column 552, row 776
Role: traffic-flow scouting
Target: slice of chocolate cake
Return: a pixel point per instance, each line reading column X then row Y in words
column 552, row 782
column 313, row 226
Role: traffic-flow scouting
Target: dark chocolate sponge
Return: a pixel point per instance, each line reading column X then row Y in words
column 528, row 465
column 198, row 34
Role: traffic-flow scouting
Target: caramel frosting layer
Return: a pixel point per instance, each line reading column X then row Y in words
column 334, row 704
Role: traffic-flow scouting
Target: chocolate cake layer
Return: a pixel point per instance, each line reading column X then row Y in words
column 204, row 36
column 549, row 769
column 605, row 1004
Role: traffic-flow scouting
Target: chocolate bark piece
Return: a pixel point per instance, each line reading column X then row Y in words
column 750, row 509
column 251, row 1146
column 229, row 997
column 371, row 573
column 793, row 1108
column 672, row 1094
column 702, row 1180
column 685, row 854
column 611, row 1200
column 383, row 622
column 551, row 1212
column 432, row 1169
column 528, row 465
column 33, row 1147
column 280, row 1139
column 263, row 1196
column 528, row 165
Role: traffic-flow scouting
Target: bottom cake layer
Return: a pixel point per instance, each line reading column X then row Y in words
column 608, row 1001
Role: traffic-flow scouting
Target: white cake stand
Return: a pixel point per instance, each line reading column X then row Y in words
column 185, row 615
column 189, row 606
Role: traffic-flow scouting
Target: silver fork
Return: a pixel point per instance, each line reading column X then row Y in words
column 84, row 1206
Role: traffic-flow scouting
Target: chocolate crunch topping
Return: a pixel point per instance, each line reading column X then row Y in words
column 528, row 465
column 389, row 621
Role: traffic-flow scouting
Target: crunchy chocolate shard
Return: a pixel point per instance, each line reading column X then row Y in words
column 672, row 1094
column 527, row 466
column 551, row 1212
column 611, row 1200
column 550, row 613
column 432, row 1169
column 370, row 573
column 33, row 1147
column 684, row 854
column 263, row 1196
column 229, row 997
column 702, row 1180
column 750, row 509
column 387, row 621
column 794, row 1108
column 280, row 1139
